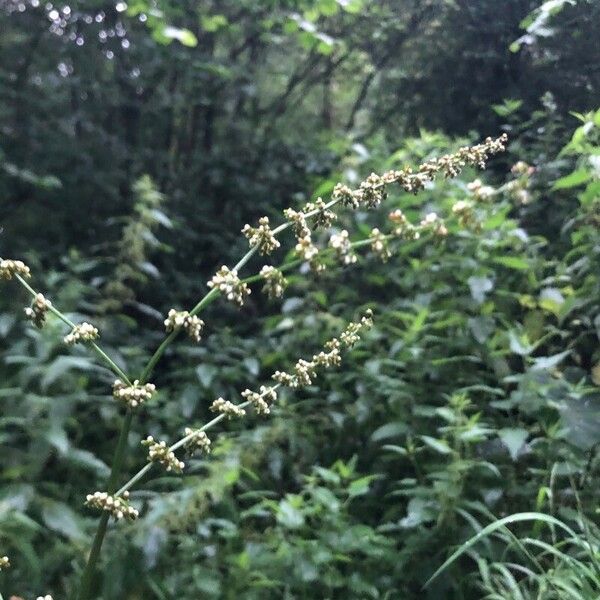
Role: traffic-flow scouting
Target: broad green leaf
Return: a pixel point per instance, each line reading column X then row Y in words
column 60, row 518
column 440, row 446
column 206, row 374
column 574, row 179
column 513, row 439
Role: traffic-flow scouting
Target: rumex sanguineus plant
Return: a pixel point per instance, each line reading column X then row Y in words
column 135, row 392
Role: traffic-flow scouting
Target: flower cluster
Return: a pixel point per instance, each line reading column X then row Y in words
column 10, row 268
column 261, row 400
column 261, row 237
column 116, row 506
column 177, row 320
column 38, row 309
column 4, row 562
column 403, row 227
column 379, row 244
column 329, row 357
column 433, row 222
column 84, row 332
column 351, row 334
column 229, row 284
column 227, row 408
column 480, row 192
column 372, row 191
column 345, row 195
column 197, row 440
column 449, row 165
column 275, row 282
column 46, row 597
column 463, row 210
column 133, row 395
column 306, row 370
column 340, row 242
column 323, row 216
column 298, row 221
column 518, row 187
column 305, row 248
column 160, row 453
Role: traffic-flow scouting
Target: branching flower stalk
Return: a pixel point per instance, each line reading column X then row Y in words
column 370, row 193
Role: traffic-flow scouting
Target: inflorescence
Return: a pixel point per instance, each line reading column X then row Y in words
column 36, row 313
column 261, row 237
column 197, row 440
column 261, row 400
column 10, row 268
column 133, row 395
column 227, row 408
column 192, row 325
column 117, row 506
column 275, row 282
column 306, row 370
column 159, row 452
column 229, row 284
column 4, row 562
column 84, row 332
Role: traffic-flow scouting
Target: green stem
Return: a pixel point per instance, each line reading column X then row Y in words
column 86, row 590
column 95, row 347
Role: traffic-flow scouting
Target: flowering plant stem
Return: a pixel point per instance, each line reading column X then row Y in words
column 227, row 283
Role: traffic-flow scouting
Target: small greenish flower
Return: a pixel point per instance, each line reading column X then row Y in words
column 261, row 237
column 84, row 332
column 160, row 453
column 197, row 441
column 36, row 313
column 192, row 325
column 133, row 395
column 227, row 408
column 117, row 506
column 229, row 284
column 10, row 268
column 275, row 282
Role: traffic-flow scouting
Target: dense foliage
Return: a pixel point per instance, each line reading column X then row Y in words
column 138, row 138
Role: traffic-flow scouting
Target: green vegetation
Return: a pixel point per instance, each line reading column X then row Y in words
column 454, row 451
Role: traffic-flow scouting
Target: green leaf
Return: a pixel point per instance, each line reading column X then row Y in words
column 183, row 36
column 359, row 487
column 213, row 23
column 508, row 107
column 574, row 179
column 388, row 430
column 60, row 518
column 512, row 262
column 549, row 362
column 440, row 446
column 206, row 374
column 289, row 516
column 513, row 439
column 479, row 287
column 500, row 524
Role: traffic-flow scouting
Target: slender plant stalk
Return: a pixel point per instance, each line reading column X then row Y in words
column 97, row 349
column 87, row 579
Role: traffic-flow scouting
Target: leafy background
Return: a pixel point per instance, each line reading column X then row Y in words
column 137, row 139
